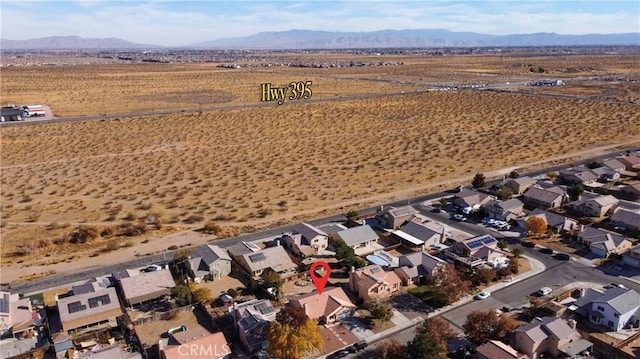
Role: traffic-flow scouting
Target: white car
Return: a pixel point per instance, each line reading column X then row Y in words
column 544, row 291
column 482, row 295
column 459, row 217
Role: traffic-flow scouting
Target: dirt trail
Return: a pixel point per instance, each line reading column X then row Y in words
column 157, row 245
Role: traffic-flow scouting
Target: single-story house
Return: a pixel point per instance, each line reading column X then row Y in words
column 251, row 319
column 518, row 185
column 551, row 335
column 545, row 198
column 146, row 286
column 358, row 237
column 329, row 307
column 89, row 310
column 626, row 218
column 577, row 175
column 556, row 222
column 209, row 262
column 195, row 343
column 393, row 218
column 471, row 198
column 273, row 258
column 417, row 234
column 631, row 163
column 632, row 257
column 602, row 243
column 614, row 165
column 606, row 174
column 418, row 268
column 16, row 315
column 631, row 191
column 504, row 210
column 306, row 240
column 374, row 283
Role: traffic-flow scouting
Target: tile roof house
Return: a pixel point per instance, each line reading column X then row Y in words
column 208, row 262
column 358, row 237
column 471, row 198
column 631, row 162
column 273, row 258
column 519, row 185
column 16, row 315
column 577, row 175
column 549, row 334
column 373, row 283
column 250, row 320
column 330, row 306
column 595, row 207
column 393, row 218
column 631, row 191
column 476, row 251
column 494, row 349
column 555, row 222
column 626, row 218
column 632, row 257
column 544, row 198
column 419, row 232
column 111, row 352
column 614, row 309
column 306, row 240
column 196, row 343
column 504, row 210
column 603, row 243
column 93, row 309
column 146, row 286
column 614, row 164
column 418, row 268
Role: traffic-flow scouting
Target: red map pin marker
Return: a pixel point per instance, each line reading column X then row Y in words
column 320, row 282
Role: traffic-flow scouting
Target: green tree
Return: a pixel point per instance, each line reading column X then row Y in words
column 380, row 311
column 232, row 293
column 443, row 202
column 517, row 251
column 290, row 337
column 425, row 347
column 182, row 295
column 478, row 180
column 352, row 213
column 575, row 191
column 502, row 244
column 272, row 280
column 504, row 193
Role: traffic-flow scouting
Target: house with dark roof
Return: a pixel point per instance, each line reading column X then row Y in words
column 419, row 233
column 471, row 198
column 374, row 283
column 632, row 257
column 614, row 309
column 504, row 210
column 518, row 185
column 545, row 198
column 603, row 243
column 393, row 218
column 251, row 319
column 626, row 218
column 208, row 262
column 306, row 240
column 146, row 286
column 96, row 309
column 614, row 165
column 418, row 268
column 327, row 308
column 550, row 335
column 631, row 192
column 556, row 222
column 606, row 174
column 476, row 251
column 494, row 349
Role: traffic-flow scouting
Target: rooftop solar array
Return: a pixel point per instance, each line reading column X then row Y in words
column 480, row 241
column 248, row 321
column 97, row 301
column 257, row 257
column 264, row 308
column 76, row 307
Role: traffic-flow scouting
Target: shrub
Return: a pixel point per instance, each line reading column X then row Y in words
column 194, row 218
column 83, row 234
column 130, row 229
column 212, row 228
column 108, row 232
column 233, row 293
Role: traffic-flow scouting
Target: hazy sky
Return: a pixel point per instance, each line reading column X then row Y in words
column 187, row 22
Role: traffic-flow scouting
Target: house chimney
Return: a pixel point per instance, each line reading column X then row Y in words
column 572, row 323
column 353, row 269
column 306, row 309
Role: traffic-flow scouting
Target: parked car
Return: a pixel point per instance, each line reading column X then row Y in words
column 546, row 250
column 339, row 354
column 543, row 291
column 562, row 256
column 482, row 295
column 528, row 244
column 615, row 285
column 357, row 346
column 459, row 217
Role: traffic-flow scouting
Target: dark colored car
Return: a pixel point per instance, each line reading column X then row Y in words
column 562, row 256
column 358, row 346
column 546, row 250
column 528, row 244
column 339, row 354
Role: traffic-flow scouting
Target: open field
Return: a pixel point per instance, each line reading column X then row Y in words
column 250, row 168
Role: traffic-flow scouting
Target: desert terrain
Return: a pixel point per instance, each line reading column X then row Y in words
column 126, row 181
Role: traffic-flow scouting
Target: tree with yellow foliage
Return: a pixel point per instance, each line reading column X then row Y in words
column 292, row 334
column 536, row 226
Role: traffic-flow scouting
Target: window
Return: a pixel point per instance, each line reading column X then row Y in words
column 601, row 308
column 610, row 324
column 616, row 315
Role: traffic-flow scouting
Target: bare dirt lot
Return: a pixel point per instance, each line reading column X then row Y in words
column 250, row 168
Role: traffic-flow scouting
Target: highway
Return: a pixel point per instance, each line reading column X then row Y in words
column 58, row 280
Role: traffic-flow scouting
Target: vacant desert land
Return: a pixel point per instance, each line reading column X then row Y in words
column 248, row 168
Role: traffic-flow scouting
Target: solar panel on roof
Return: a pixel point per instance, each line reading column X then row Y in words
column 474, row 244
column 267, row 310
column 257, row 257
column 488, row 240
column 76, row 307
column 248, row 321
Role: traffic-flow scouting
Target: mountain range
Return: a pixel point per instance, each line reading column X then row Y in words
column 312, row 39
